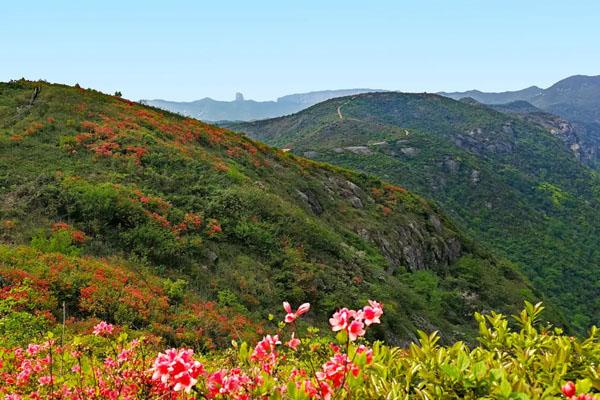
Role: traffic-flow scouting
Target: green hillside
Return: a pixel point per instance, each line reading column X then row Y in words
column 507, row 181
column 243, row 225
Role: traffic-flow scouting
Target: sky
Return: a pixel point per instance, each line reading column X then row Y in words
column 186, row 50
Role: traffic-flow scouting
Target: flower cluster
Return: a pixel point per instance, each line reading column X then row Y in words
column 103, row 329
column 177, row 369
column 76, row 235
column 354, row 322
column 105, row 365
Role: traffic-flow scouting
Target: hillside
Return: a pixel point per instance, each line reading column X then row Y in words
column 582, row 139
column 241, row 224
column 575, row 99
column 240, row 109
column 507, row 181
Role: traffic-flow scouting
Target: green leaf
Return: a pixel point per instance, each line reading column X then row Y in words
column 342, row 337
column 584, row 385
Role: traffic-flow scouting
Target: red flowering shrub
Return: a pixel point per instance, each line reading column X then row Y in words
column 97, row 289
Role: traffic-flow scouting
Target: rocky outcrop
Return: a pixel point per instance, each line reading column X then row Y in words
column 311, row 200
column 415, row 248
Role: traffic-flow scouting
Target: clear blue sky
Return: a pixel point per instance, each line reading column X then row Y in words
column 184, row 50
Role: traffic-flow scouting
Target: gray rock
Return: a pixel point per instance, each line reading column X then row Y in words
column 409, row 151
column 360, row 150
column 436, row 223
column 356, row 202
column 311, row 200
column 452, row 165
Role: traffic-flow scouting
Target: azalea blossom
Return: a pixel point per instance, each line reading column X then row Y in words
column 293, row 343
column 341, row 319
column 372, row 312
column 356, row 329
column 177, row 368
column 103, row 329
column 291, row 315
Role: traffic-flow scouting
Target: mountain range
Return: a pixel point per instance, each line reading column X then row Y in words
column 576, row 99
column 166, row 224
column 511, row 176
column 240, row 109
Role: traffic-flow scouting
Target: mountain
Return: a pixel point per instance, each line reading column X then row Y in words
column 582, row 139
column 210, row 215
column 505, row 179
column 496, row 97
column 575, row 99
column 240, row 109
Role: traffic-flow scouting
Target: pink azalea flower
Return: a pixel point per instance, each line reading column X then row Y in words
column 103, row 329
column 341, row 319
column 33, row 349
column 356, row 329
column 291, row 316
column 293, row 343
column 177, row 368
column 372, row 312
column 45, row 380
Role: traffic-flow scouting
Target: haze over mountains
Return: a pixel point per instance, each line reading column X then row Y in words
column 241, row 109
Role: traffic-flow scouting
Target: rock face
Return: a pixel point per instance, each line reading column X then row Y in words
column 360, row 150
column 410, row 245
column 311, row 200
column 414, row 249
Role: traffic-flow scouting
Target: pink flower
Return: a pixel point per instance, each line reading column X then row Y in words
column 341, row 319
column 265, row 353
column 291, row 315
column 229, row 385
column 336, row 368
column 12, row 397
column 293, row 343
column 45, row 380
column 177, row 369
column 110, row 363
column 372, row 312
column 356, row 329
column 103, row 329
column 33, row 349
column 124, row 355
column 326, row 391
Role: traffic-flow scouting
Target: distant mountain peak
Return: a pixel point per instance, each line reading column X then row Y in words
column 242, row 109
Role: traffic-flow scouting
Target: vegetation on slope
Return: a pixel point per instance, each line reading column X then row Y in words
column 506, row 181
column 529, row 361
column 238, row 223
